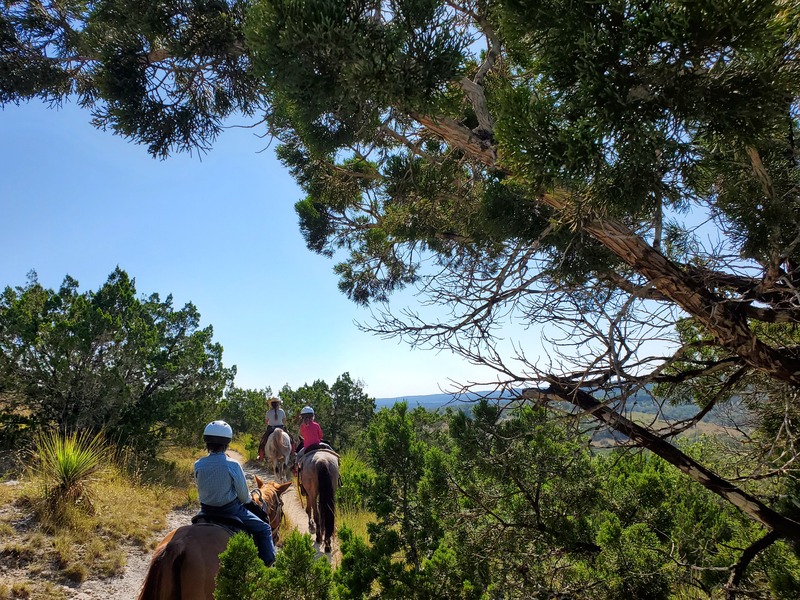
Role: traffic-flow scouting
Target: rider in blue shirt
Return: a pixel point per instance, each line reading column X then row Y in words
column 222, row 488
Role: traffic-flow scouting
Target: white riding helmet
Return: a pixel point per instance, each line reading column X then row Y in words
column 218, row 429
column 307, row 410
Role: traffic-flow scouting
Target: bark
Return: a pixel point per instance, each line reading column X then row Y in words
column 748, row 504
column 749, row 553
column 728, row 326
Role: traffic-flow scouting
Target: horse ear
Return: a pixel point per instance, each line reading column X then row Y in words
column 283, row 487
column 259, row 481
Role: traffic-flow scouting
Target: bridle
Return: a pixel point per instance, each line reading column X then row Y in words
column 258, row 498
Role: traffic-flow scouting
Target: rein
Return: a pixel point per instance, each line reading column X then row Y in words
column 264, row 504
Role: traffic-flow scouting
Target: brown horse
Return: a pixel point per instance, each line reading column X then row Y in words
column 185, row 563
column 320, row 479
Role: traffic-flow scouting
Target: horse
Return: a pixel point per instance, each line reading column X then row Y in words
column 280, row 452
column 319, row 477
column 185, row 563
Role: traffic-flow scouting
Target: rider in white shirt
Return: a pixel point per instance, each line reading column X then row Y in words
column 276, row 417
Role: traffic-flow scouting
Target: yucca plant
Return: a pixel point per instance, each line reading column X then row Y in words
column 65, row 464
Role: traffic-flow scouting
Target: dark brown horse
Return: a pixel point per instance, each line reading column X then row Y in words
column 320, row 479
column 185, row 563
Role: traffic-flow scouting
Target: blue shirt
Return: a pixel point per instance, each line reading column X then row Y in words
column 220, row 480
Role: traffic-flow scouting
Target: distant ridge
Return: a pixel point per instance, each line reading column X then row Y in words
column 435, row 401
column 641, row 403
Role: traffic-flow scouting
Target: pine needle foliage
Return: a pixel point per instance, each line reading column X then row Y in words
column 241, row 572
column 298, row 573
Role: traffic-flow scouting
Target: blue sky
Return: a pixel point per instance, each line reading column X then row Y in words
column 218, row 230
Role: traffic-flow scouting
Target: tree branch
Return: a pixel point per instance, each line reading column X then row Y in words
column 748, row 504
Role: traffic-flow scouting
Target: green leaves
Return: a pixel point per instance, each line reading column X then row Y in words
column 64, row 464
column 297, row 573
column 164, row 74
column 108, row 360
column 333, row 67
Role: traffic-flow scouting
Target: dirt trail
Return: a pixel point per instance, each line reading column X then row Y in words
column 126, row 587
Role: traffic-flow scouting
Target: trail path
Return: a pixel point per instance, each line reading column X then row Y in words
column 294, row 512
column 126, row 587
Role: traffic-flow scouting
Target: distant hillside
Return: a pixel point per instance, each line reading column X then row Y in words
column 641, row 409
column 641, row 404
column 437, row 401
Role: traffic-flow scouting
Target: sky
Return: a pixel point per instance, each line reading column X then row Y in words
column 218, row 230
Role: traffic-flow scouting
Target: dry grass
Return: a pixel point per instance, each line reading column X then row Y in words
column 356, row 521
column 130, row 502
column 31, row 590
column 8, row 492
column 246, row 445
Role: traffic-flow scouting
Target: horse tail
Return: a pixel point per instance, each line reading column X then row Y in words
column 163, row 576
column 326, row 497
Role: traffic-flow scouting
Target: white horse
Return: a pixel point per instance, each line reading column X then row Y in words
column 279, row 452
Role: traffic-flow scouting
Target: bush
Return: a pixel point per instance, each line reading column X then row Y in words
column 241, row 572
column 298, row 574
column 65, row 463
column 355, row 475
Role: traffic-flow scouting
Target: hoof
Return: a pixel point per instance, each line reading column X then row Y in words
column 328, row 548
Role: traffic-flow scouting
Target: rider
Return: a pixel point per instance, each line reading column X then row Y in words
column 276, row 417
column 222, row 488
column 310, row 432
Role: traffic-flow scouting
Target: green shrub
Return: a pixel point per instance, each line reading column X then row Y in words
column 355, row 475
column 65, row 464
column 241, row 572
column 298, row 574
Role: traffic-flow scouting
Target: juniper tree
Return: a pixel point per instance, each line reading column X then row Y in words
column 619, row 171
column 106, row 360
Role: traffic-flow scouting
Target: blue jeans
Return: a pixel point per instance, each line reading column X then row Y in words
column 261, row 531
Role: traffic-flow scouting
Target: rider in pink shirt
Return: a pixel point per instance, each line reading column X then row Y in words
column 311, row 439
column 311, row 432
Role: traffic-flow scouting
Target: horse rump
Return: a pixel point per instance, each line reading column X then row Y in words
column 163, row 578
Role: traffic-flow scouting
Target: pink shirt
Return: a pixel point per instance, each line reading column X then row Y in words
column 311, row 433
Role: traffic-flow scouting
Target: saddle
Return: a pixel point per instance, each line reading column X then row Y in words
column 232, row 524
column 322, row 447
column 312, row 449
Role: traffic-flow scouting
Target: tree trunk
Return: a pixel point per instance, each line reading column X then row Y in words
column 730, row 328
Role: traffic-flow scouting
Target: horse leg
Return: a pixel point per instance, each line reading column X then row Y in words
column 317, row 518
column 322, row 526
column 326, row 491
column 262, row 446
column 310, row 506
